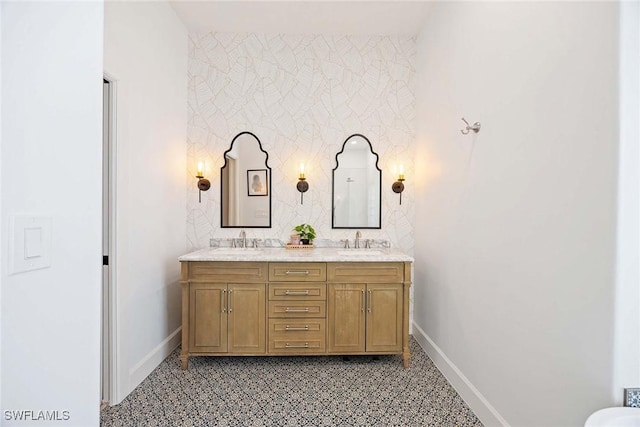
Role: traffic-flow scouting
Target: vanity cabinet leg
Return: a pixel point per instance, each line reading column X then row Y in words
column 406, row 357
column 185, row 361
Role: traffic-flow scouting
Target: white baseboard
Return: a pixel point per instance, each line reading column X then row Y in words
column 151, row 361
column 473, row 398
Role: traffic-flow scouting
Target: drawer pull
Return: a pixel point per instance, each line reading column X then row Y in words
column 296, row 328
column 306, row 345
column 289, row 292
column 296, row 310
column 302, row 272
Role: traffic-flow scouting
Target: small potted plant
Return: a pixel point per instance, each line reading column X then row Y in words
column 306, row 233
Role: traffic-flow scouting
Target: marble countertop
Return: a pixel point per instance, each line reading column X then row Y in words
column 298, row 255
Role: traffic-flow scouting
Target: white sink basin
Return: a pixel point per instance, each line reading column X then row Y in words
column 360, row 252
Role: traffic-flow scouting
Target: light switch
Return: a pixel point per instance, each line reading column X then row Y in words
column 30, row 243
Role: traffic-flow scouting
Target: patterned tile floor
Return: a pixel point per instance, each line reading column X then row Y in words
column 293, row 391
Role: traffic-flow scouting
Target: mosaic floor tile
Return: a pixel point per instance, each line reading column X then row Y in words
column 293, row 391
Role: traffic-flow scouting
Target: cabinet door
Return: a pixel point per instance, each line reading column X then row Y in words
column 384, row 317
column 346, row 318
column 207, row 318
column 247, row 326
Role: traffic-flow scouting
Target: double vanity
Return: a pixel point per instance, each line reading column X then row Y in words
column 288, row 302
column 241, row 301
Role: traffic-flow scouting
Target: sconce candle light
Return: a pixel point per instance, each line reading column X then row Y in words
column 303, row 185
column 398, row 186
column 203, row 183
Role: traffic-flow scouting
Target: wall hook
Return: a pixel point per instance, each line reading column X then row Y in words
column 475, row 128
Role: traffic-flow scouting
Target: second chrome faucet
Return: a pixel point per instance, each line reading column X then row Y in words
column 356, row 245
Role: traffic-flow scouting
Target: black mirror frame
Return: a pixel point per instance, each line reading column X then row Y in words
column 333, row 186
column 269, row 192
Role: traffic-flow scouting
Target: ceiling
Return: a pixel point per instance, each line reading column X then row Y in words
column 303, row 17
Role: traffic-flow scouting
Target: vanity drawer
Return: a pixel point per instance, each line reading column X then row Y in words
column 296, row 328
column 297, row 272
column 297, row 291
column 291, row 309
column 365, row 272
column 297, row 336
column 282, row 346
column 225, row 272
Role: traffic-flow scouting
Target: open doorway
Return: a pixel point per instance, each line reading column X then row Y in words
column 108, row 329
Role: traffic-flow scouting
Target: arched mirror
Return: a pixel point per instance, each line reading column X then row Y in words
column 357, row 184
column 245, row 181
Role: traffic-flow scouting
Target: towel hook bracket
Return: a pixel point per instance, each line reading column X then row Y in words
column 475, row 127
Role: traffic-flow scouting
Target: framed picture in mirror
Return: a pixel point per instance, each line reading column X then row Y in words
column 257, row 184
column 239, row 208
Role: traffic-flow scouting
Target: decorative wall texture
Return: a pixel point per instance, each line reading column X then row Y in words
column 302, row 96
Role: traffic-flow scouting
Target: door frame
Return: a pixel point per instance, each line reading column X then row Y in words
column 109, row 329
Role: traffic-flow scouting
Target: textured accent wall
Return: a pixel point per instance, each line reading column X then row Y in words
column 302, row 96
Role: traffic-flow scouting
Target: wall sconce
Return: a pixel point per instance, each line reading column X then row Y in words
column 203, row 183
column 398, row 186
column 303, row 185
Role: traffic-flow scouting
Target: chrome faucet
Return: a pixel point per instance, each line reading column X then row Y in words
column 358, row 236
column 243, row 236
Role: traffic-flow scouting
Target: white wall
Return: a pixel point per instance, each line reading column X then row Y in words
column 302, row 96
column 627, row 338
column 51, row 165
column 146, row 54
column 515, row 250
column 1, row 232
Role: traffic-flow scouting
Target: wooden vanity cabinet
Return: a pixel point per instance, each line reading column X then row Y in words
column 227, row 318
column 365, row 318
column 295, row 308
column 223, row 309
column 366, row 308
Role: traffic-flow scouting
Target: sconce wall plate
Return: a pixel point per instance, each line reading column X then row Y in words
column 302, row 187
column 398, row 187
column 203, row 184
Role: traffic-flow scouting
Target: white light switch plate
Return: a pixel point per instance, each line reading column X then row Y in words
column 29, row 243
